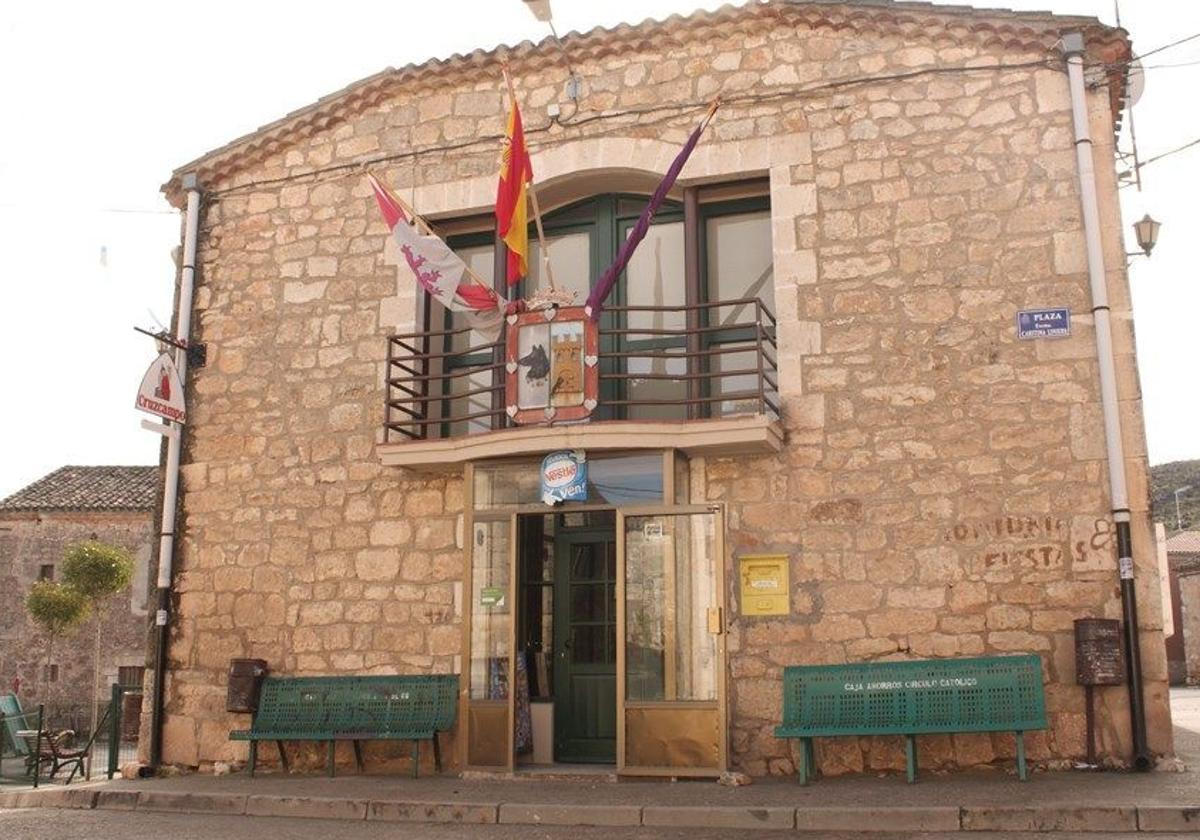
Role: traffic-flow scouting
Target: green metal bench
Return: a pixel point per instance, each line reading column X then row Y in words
column 14, row 719
column 355, row 709
column 985, row 694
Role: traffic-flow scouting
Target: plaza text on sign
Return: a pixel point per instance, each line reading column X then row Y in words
column 1044, row 323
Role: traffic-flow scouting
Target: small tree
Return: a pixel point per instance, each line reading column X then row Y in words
column 58, row 610
column 97, row 572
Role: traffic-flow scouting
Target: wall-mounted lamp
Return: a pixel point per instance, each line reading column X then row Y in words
column 1146, row 232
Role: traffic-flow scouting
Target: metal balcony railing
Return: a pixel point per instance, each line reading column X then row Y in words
column 664, row 363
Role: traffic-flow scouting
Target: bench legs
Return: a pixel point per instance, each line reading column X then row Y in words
column 358, row 759
column 806, row 764
column 416, row 758
column 287, row 768
column 910, row 757
column 437, row 754
column 329, row 745
column 1022, row 773
column 253, row 757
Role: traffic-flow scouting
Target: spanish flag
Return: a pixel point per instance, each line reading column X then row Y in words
column 512, row 220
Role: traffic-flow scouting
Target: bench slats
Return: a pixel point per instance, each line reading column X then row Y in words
column 981, row 694
column 399, row 707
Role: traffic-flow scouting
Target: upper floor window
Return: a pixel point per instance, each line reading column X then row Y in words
column 675, row 342
column 46, row 571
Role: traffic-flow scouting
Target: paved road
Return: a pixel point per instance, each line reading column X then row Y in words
column 54, row 825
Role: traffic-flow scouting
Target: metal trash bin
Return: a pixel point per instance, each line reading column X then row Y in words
column 245, row 682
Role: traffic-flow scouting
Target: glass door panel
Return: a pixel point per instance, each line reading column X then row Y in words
column 492, row 607
column 670, row 642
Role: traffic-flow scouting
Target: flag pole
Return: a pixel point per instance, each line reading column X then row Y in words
column 423, row 226
column 533, row 199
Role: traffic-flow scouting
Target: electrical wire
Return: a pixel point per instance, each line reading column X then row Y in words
column 669, row 111
column 1174, row 151
column 1165, row 47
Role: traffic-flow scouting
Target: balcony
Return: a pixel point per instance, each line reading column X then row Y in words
column 701, row 378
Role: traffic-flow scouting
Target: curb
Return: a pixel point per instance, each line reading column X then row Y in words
column 896, row 820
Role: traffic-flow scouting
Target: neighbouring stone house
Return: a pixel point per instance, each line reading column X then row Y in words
column 1183, row 645
column 830, row 394
column 113, row 505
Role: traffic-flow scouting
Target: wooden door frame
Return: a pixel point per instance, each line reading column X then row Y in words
column 722, row 704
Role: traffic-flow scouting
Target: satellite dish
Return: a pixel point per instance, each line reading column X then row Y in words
column 1136, row 82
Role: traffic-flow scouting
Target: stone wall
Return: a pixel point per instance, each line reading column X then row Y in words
column 942, row 491
column 27, row 542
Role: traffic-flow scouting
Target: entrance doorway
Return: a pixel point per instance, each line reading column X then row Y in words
column 568, row 632
column 595, row 631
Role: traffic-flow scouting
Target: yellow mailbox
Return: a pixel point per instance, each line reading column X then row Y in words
column 764, row 584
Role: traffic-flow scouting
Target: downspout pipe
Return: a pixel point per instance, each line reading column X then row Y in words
column 1073, row 50
column 166, row 540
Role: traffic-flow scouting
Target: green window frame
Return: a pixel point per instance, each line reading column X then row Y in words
column 606, row 219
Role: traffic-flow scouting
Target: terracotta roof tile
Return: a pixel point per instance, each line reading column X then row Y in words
column 89, row 488
column 998, row 27
column 1185, row 542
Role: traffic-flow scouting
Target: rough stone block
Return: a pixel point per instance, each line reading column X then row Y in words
column 878, row 819
column 309, row 807
column 117, row 800
column 1168, row 818
column 719, row 817
column 433, row 812
column 570, row 814
column 191, row 803
column 1049, row 819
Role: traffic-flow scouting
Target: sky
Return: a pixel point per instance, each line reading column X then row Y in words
column 103, row 100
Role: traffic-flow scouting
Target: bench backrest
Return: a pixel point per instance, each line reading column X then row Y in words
column 14, row 721
column 377, row 705
column 984, row 694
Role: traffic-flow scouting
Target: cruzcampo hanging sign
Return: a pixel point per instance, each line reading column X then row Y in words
column 161, row 391
column 564, row 477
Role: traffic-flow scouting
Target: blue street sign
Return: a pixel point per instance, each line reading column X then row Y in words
column 1044, row 323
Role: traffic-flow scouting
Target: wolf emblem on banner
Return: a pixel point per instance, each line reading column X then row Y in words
column 553, row 371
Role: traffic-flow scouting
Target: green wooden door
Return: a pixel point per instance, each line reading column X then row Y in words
column 585, row 679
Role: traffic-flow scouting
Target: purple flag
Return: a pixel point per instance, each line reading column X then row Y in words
column 608, row 279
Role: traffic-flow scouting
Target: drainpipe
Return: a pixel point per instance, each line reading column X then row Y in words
column 166, row 544
column 1073, row 50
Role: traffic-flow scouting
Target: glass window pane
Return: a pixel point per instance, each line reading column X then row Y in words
column 626, row 480
column 654, row 277
column 481, row 260
column 664, row 395
column 670, row 584
column 725, row 380
column 491, row 611
column 461, row 402
column 740, row 263
column 588, row 602
column 500, row 486
column 570, row 259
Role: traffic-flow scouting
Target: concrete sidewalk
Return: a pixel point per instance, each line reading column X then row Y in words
column 982, row 801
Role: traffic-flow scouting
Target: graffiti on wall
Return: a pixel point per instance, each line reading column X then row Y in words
column 1035, row 542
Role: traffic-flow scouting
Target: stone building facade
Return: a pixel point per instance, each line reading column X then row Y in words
column 38, row 523
column 938, row 487
column 1183, row 645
